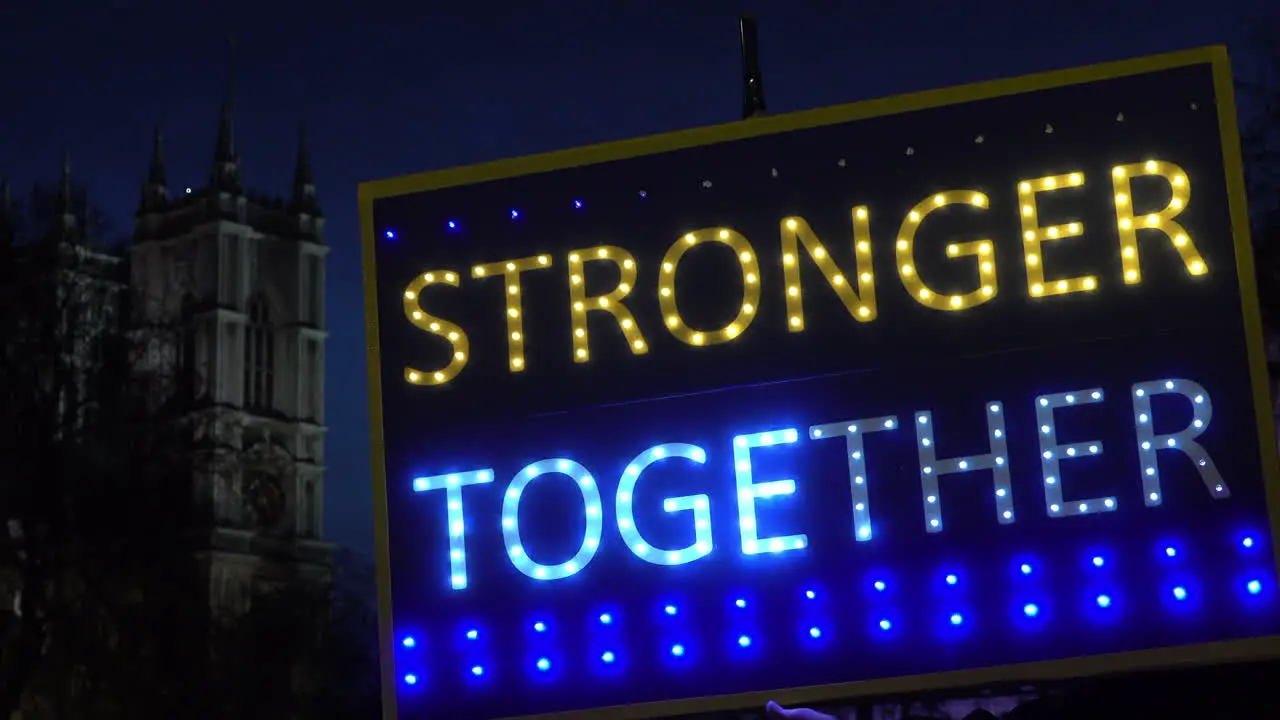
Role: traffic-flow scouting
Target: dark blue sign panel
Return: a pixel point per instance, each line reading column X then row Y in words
column 962, row 381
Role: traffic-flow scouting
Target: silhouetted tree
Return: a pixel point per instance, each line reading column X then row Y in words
column 94, row 517
column 105, row 611
column 315, row 653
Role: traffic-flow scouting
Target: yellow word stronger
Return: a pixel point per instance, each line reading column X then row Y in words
column 855, row 286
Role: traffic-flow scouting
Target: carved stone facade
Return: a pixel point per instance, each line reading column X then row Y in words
column 240, row 277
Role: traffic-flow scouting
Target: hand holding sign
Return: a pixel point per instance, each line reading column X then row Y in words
column 778, row 712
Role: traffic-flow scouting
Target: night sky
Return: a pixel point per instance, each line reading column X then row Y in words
column 389, row 88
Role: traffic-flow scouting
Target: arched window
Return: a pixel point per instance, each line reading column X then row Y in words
column 187, row 377
column 259, row 356
column 309, row 524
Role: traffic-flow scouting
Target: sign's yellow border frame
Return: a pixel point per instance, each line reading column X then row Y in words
column 1218, row 652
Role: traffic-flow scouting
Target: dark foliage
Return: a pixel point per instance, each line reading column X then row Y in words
column 105, row 605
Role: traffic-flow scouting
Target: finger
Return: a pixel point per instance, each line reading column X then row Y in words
column 774, row 710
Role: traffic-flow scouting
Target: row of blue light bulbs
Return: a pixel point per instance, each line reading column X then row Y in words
column 515, row 215
column 1031, row 610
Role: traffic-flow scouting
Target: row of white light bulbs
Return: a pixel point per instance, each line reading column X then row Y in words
column 773, row 172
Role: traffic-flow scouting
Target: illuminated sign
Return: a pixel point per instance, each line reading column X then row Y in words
column 965, row 381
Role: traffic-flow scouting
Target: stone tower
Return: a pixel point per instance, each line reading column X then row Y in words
column 236, row 281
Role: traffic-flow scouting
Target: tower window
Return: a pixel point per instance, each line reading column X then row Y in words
column 187, row 378
column 309, row 509
column 259, row 357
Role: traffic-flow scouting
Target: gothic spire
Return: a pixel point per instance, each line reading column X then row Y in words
column 64, row 188
column 225, row 149
column 7, row 230
column 156, row 175
column 302, row 177
column 154, row 193
column 226, row 163
column 303, row 203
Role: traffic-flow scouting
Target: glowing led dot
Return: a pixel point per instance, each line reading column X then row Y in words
column 1170, row 552
column 1180, row 593
column 740, row 603
column 809, row 594
column 677, row 650
column 744, row 641
column 607, row 657
column 879, row 585
column 1098, row 561
column 473, row 634
column 539, row 627
column 411, row 679
column 885, row 624
column 477, row 670
column 408, row 642
column 1254, row 587
column 606, row 618
column 1247, row 542
column 1030, row 610
column 1026, row 569
column 670, row 609
column 956, row 619
column 544, row 664
column 1104, row 601
column 952, row 579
